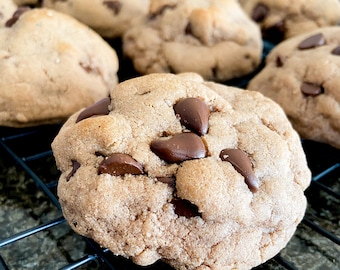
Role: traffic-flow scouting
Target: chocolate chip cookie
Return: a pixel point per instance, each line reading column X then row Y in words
column 175, row 168
column 215, row 39
column 51, row 66
column 109, row 18
column 283, row 19
column 301, row 74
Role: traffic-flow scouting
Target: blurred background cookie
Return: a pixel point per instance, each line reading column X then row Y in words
column 51, row 66
column 108, row 18
column 213, row 38
column 282, row 19
column 302, row 75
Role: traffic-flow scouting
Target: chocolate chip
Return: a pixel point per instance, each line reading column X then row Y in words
column 119, row 164
column 311, row 89
column 280, row 60
column 75, row 167
column 116, row 6
column 312, row 42
column 180, row 147
column 242, row 164
column 336, row 50
column 185, row 208
column 170, row 181
column 101, row 107
column 194, row 114
column 259, row 12
column 188, row 29
column 16, row 15
column 274, row 33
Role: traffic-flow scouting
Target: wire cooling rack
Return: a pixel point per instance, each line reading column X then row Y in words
column 38, row 236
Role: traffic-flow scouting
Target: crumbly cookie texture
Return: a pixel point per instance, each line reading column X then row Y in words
column 7, row 8
column 214, row 38
column 195, row 173
column 51, row 66
column 301, row 74
column 109, row 18
column 283, row 19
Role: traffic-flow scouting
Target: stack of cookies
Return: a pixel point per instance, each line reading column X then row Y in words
column 176, row 164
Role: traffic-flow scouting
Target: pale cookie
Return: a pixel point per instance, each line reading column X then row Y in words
column 51, row 66
column 282, row 19
column 302, row 75
column 195, row 173
column 109, row 18
column 7, row 8
column 213, row 38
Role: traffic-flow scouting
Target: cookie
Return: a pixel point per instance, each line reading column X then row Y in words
column 7, row 8
column 175, row 168
column 301, row 74
column 51, row 66
column 215, row 39
column 280, row 20
column 109, row 18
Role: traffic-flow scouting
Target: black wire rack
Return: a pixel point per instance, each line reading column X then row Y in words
column 315, row 245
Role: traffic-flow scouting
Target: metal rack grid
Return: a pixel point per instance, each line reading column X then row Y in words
column 30, row 150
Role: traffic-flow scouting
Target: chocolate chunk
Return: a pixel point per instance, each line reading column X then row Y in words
column 116, row 6
column 170, row 181
column 75, row 167
column 242, row 164
column 194, row 114
column 311, row 89
column 336, row 50
column 274, row 33
column 280, row 60
column 312, row 42
column 188, row 29
column 180, row 147
column 101, row 107
column 120, row 164
column 185, row 208
column 259, row 12
column 16, row 15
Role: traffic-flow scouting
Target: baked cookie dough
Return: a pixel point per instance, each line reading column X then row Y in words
column 7, row 8
column 195, row 173
column 51, row 66
column 283, row 19
column 109, row 18
column 215, row 39
column 302, row 75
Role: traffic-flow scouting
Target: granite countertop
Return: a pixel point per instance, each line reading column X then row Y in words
column 23, row 206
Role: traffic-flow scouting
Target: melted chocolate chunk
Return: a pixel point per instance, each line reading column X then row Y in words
column 242, row 164
column 312, row 42
column 170, row 181
column 119, row 164
column 274, row 33
column 116, row 6
column 101, row 107
column 194, row 114
column 311, row 89
column 280, row 60
column 188, row 29
column 185, row 208
column 336, row 50
column 180, row 147
column 75, row 167
column 16, row 16
column 260, row 12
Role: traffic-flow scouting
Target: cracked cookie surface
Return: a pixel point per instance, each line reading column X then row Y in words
column 51, row 66
column 213, row 38
column 301, row 74
column 195, row 173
